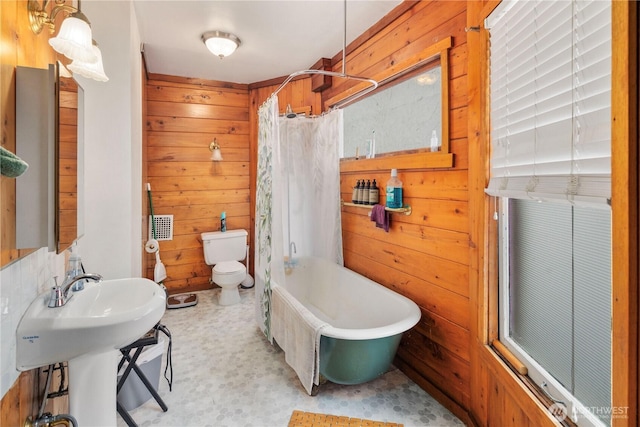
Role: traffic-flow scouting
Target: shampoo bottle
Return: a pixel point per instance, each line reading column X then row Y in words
column 374, row 193
column 365, row 195
column 435, row 145
column 354, row 195
column 394, row 191
column 223, row 221
column 359, row 199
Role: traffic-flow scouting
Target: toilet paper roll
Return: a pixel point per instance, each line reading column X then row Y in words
column 152, row 246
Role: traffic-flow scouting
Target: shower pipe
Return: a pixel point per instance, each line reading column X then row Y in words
column 347, row 100
column 343, row 74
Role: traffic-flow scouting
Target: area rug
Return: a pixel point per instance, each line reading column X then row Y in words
column 309, row 419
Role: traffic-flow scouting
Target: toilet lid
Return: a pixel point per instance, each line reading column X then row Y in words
column 228, row 267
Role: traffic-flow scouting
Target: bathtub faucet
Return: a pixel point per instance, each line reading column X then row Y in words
column 292, row 250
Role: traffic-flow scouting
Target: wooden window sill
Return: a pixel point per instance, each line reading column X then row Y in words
column 425, row 160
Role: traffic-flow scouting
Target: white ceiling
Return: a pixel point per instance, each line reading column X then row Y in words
column 278, row 37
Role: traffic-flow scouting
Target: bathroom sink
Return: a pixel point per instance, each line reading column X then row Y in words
column 104, row 316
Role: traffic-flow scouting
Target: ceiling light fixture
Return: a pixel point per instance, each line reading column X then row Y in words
column 220, row 43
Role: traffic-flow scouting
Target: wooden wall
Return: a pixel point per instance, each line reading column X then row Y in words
column 443, row 255
column 182, row 117
column 498, row 396
column 20, row 47
column 425, row 256
column 67, row 216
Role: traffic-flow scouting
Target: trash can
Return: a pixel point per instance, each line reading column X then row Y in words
column 133, row 392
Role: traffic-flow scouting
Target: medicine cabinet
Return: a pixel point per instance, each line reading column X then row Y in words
column 49, row 137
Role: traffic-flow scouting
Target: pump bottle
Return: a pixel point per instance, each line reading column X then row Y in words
column 394, row 191
column 365, row 195
column 354, row 195
column 374, row 193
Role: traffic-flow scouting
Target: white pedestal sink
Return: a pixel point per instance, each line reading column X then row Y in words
column 87, row 332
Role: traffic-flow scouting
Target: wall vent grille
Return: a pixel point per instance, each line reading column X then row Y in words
column 164, row 227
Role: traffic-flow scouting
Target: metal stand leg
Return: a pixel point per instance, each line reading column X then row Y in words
column 132, row 365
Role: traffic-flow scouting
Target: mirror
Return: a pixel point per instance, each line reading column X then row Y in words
column 405, row 115
column 418, row 65
column 49, row 137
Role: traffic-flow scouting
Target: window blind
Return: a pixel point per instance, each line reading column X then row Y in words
column 551, row 100
column 560, row 295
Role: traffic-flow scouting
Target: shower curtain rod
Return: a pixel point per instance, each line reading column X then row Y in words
column 343, row 74
column 374, row 84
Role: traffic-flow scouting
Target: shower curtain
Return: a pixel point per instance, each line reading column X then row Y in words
column 297, row 196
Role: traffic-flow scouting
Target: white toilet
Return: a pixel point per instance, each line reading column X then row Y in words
column 224, row 250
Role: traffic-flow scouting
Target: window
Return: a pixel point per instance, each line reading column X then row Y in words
column 550, row 167
column 556, row 301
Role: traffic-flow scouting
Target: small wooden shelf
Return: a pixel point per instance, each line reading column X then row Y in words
column 405, row 210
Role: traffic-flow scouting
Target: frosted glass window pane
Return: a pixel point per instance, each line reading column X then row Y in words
column 540, row 284
column 592, row 308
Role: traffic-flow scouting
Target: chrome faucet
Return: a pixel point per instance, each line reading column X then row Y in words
column 292, row 250
column 60, row 294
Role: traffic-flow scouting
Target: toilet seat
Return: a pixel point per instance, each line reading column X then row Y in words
column 228, row 267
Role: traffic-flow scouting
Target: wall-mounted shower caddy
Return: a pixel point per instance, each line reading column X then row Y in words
column 405, row 209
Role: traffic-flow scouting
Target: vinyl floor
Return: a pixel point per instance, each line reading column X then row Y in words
column 225, row 373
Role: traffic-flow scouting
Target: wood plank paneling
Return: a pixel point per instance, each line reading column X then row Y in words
column 446, row 304
column 194, row 139
column 200, row 111
column 186, row 124
column 67, row 155
column 433, row 241
column 183, row 116
column 499, row 396
column 443, row 185
column 448, row 372
column 433, row 269
column 20, row 47
column 425, row 256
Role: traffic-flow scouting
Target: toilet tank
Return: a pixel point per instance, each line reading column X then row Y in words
column 219, row 246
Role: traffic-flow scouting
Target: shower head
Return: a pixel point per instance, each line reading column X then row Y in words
column 289, row 112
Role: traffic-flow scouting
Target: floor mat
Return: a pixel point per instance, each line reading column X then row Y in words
column 309, row 419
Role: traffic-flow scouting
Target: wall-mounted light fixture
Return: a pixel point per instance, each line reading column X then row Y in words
column 216, row 154
column 220, row 43
column 91, row 70
column 74, row 39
